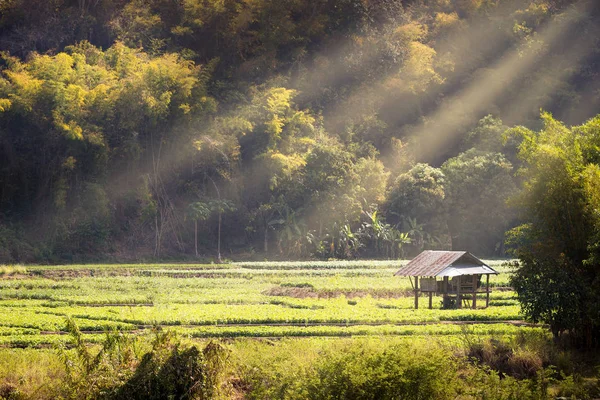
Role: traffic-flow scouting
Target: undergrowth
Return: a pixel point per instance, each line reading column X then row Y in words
column 127, row 368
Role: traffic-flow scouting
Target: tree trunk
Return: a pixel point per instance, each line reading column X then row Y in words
column 266, row 247
column 219, row 230
column 196, row 236
column 219, row 241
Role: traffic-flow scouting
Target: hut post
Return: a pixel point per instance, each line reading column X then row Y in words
column 487, row 290
column 458, row 295
column 445, row 290
column 430, row 299
column 416, row 292
column 475, row 280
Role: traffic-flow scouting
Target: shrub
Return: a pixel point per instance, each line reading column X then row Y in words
column 501, row 357
column 524, row 364
column 396, row 372
column 166, row 371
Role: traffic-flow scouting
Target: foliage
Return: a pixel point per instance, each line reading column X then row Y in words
column 381, row 368
column 140, row 330
column 558, row 269
column 478, row 186
column 418, row 193
column 116, row 115
column 118, row 371
column 360, row 374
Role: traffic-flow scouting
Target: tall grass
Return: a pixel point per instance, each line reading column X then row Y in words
column 9, row 270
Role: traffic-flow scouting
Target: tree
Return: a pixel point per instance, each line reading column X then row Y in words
column 486, row 136
column 380, row 238
column 220, row 206
column 557, row 281
column 419, row 195
column 478, row 184
column 198, row 210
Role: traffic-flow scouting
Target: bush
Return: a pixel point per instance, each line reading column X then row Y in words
column 166, row 371
column 13, row 247
column 358, row 371
column 390, row 374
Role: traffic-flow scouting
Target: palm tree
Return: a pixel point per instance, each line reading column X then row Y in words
column 220, row 206
column 198, row 210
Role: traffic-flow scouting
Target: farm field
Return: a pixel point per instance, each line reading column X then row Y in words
column 277, row 330
column 258, row 299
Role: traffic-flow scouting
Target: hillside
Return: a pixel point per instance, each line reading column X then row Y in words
column 250, row 129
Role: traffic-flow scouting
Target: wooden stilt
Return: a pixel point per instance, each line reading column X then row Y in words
column 458, row 295
column 487, row 290
column 475, row 280
column 416, row 292
column 445, row 291
column 430, row 300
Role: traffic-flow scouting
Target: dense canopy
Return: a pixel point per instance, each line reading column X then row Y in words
column 132, row 129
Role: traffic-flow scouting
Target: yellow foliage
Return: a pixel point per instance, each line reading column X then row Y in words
column 185, row 108
column 5, row 105
column 95, row 138
column 74, row 131
column 591, row 186
column 411, row 32
column 70, row 163
column 372, row 180
column 286, row 163
column 533, row 15
column 196, row 12
column 443, row 4
column 279, row 100
column 274, row 126
column 74, row 96
column 125, row 61
column 57, row 69
column 26, row 87
column 181, row 30
column 71, row 130
column 418, row 69
column 444, row 22
column 469, row 6
column 97, row 95
column 306, row 141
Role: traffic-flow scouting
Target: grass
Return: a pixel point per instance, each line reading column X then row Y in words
column 209, row 300
column 10, row 270
column 288, row 328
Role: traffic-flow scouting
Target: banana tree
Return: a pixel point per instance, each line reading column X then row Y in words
column 348, row 242
column 271, row 216
column 289, row 230
column 373, row 228
column 419, row 236
column 400, row 239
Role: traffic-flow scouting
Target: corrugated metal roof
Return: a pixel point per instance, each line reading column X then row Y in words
column 432, row 263
column 466, row 270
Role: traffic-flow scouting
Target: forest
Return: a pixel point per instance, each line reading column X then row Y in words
column 209, row 199
column 253, row 129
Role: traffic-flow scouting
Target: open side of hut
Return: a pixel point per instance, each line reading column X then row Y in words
column 460, row 274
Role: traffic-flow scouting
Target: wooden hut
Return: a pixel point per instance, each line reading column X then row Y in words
column 456, row 275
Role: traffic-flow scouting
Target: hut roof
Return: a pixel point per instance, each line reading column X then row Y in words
column 445, row 263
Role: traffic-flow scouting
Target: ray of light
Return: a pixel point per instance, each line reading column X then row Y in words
column 458, row 111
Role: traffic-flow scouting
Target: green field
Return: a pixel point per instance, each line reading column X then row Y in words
column 263, row 299
column 285, row 330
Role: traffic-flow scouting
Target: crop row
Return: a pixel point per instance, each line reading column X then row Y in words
column 337, row 310
column 33, row 338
